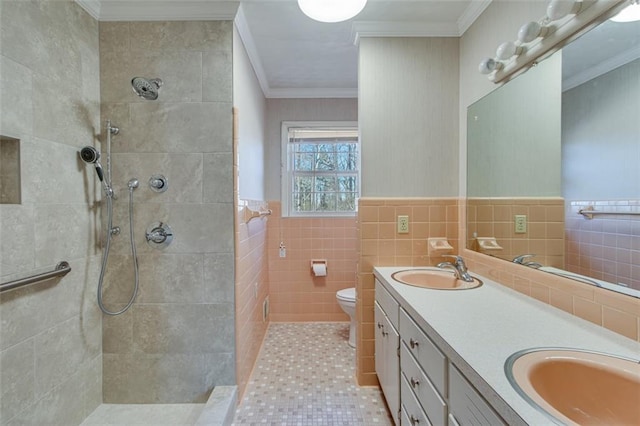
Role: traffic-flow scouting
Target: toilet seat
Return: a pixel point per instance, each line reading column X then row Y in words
column 347, row 295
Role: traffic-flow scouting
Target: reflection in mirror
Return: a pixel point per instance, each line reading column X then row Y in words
column 9, row 170
column 562, row 138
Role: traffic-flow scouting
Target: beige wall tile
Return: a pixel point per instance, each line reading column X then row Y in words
column 620, row 322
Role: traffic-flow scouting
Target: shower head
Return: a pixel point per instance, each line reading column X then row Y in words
column 146, row 89
column 90, row 155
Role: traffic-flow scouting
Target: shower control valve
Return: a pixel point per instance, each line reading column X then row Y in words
column 158, row 183
column 159, row 235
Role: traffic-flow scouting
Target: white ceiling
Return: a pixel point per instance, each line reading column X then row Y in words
column 293, row 55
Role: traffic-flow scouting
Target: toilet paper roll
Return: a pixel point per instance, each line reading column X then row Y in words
column 319, row 269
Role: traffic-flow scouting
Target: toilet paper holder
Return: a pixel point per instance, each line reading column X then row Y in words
column 319, row 267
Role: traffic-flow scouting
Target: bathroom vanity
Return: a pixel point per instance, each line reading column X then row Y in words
column 440, row 354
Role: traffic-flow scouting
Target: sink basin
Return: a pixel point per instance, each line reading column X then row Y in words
column 578, row 387
column 433, row 279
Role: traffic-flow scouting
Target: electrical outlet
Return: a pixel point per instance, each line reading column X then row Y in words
column 520, row 224
column 283, row 250
column 403, row 224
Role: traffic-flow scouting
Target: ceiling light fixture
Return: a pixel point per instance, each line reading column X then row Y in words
column 331, row 10
column 630, row 13
column 489, row 65
column 507, row 49
column 558, row 9
column 531, row 31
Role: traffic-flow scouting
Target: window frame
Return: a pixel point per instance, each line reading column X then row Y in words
column 286, row 167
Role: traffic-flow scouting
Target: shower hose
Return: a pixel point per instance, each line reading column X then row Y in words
column 105, row 254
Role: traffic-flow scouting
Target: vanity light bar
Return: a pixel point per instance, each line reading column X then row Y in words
column 564, row 20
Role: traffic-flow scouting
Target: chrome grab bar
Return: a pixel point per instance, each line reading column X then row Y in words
column 62, row 268
column 590, row 213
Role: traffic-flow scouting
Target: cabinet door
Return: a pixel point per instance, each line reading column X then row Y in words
column 466, row 405
column 387, row 360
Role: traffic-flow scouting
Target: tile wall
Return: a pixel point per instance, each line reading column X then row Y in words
column 252, row 289
column 295, row 293
column 608, row 246
column 380, row 245
column 608, row 309
column 178, row 340
column 494, row 217
column 50, row 332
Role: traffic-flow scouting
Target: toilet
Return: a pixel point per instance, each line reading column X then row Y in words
column 347, row 301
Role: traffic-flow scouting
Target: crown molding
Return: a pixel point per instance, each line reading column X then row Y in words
column 361, row 29
column 470, row 14
column 158, row 10
column 303, row 93
column 300, row 93
column 601, row 68
column 244, row 31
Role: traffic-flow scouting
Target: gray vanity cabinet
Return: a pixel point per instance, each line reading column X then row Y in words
column 420, row 384
column 386, row 349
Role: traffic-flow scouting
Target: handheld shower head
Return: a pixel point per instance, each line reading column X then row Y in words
column 90, row 155
column 145, row 88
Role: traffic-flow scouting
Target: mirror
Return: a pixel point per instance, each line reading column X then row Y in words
column 563, row 137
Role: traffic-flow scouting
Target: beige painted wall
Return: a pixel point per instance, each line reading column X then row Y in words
column 50, row 332
column 408, row 115
column 251, row 105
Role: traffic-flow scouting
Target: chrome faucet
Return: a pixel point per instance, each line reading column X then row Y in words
column 521, row 260
column 460, row 269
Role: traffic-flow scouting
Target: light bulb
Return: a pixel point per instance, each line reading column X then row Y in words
column 507, row 49
column 488, row 65
column 331, row 10
column 558, row 9
column 531, row 31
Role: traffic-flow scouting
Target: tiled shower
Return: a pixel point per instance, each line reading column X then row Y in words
column 63, row 75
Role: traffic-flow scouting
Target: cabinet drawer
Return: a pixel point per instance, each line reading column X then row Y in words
column 466, row 404
column 412, row 414
column 429, row 357
column 387, row 303
column 428, row 397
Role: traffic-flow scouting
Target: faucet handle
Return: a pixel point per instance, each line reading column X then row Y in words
column 521, row 258
column 453, row 256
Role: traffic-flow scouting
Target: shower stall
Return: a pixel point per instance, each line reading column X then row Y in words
column 63, row 76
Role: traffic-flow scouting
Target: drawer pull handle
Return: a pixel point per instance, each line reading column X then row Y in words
column 413, row 343
column 414, row 382
column 384, row 333
column 380, row 325
column 414, row 420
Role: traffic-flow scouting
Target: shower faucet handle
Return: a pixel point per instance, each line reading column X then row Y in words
column 159, row 235
column 158, row 183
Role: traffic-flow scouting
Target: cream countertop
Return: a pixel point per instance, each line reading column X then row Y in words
column 478, row 329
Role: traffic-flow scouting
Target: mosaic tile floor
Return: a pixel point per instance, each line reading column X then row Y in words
column 305, row 376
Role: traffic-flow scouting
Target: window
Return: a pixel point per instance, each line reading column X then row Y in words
column 321, row 168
